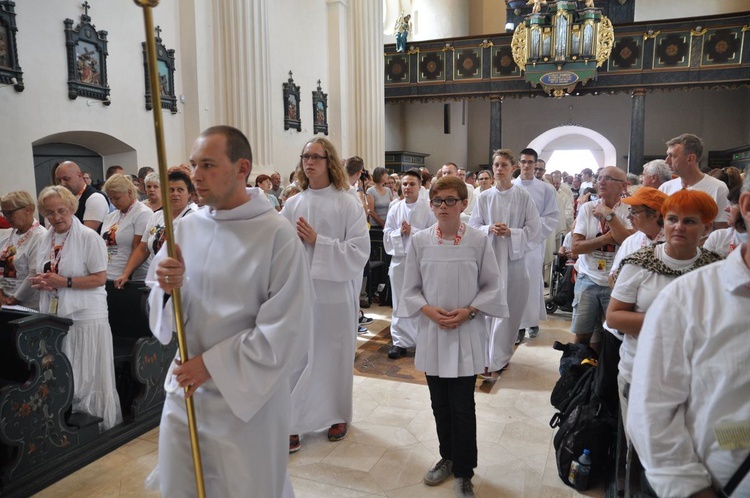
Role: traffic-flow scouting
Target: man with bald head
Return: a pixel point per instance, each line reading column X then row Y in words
column 600, row 228
column 93, row 205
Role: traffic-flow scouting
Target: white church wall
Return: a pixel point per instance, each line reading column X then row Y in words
column 649, row 10
column 44, row 108
column 423, row 132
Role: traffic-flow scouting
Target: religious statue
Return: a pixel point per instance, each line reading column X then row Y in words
column 402, row 28
column 537, row 5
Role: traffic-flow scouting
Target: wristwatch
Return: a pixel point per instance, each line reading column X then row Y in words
column 609, row 217
column 472, row 314
column 70, row 282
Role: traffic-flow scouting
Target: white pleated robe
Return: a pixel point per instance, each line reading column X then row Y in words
column 247, row 301
column 419, row 215
column 452, row 276
column 515, row 208
column 322, row 393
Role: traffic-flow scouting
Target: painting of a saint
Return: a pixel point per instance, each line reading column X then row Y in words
column 166, row 91
column 4, row 47
column 87, row 64
column 291, row 107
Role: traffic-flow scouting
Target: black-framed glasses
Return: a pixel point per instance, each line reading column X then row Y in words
column 8, row 214
column 609, row 179
column 312, row 157
column 449, row 201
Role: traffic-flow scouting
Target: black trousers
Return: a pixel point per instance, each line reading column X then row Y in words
column 455, row 416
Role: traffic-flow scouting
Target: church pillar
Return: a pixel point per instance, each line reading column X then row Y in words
column 243, row 85
column 367, row 116
column 637, row 122
column 496, row 125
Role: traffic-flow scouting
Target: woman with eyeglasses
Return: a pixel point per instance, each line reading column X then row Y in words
column 726, row 240
column 688, row 216
column 331, row 224
column 18, row 251
column 509, row 217
column 71, row 272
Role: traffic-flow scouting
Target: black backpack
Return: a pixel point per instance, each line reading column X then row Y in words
column 573, row 365
column 584, row 422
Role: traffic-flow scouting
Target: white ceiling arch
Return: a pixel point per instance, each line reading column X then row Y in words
column 609, row 153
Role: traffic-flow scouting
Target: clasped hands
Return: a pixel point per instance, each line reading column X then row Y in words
column 500, row 229
column 444, row 318
column 48, row 281
column 405, row 228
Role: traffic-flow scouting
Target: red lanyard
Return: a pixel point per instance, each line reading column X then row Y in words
column 456, row 239
column 54, row 259
column 20, row 241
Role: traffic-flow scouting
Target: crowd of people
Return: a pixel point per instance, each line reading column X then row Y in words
column 660, row 267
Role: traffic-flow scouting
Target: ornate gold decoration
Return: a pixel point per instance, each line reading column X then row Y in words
column 537, row 5
column 698, row 31
column 746, row 28
column 606, row 40
column 413, row 50
column 650, row 34
column 518, row 46
column 486, row 44
column 448, row 47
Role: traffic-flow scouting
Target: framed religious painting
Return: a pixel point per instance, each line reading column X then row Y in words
column 87, row 59
column 165, row 62
column 10, row 70
column 291, row 105
column 320, row 111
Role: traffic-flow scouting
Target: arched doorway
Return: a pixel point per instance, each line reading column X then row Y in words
column 92, row 151
column 575, row 138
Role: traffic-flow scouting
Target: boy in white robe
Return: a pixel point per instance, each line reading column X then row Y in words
column 332, row 226
column 507, row 214
column 246, row 311
column 451, row 277
column 405, row 218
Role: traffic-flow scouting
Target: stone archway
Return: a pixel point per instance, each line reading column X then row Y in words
column 603, row 150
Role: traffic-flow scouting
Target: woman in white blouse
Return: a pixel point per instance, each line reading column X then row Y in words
column 18, row 250
column 180, row 192
column 124, row 227
column 153, row 192
column 72, row 270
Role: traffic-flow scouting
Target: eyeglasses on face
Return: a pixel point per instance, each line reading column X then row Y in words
column 51, row 214
column 8, row 214
column 449, row 201
column 635, row 212
column 312, row 157
column 540, row 169
column 609, row 179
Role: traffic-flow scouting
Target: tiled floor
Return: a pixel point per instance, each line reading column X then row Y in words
column 392, row 440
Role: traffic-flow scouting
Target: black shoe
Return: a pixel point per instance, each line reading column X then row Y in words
column 533, row 332
column 396, row 352
column 364, row 320
column 521, row 335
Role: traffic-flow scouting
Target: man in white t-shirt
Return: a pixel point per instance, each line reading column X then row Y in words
column 601, row 226
column 684, row 156
column 93, row 206
column 656, row 173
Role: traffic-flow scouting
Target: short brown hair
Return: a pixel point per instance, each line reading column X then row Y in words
column 238, row 146
column 691, row 144
column 447, row 182
column 506, row 153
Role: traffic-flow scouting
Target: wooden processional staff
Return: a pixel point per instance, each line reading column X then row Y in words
column 153, row 73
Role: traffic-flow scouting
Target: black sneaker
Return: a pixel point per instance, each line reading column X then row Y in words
column 533, row 332
column 396, row 352
column 464, row 488
column 362, row 330
column 521, row 335
column 365, row 320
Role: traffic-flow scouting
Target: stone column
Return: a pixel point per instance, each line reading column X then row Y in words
column 243, row 86
column 367, row 116
column 496, row 125
column 637, row 122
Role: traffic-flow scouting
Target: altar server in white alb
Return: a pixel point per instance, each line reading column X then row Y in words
column 331, row 224
column 451, row 283
column 507, row 214
column 247, row 297
column 545, row 200
column 405, row 218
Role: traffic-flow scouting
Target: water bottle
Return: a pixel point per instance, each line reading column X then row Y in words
column 580, row 469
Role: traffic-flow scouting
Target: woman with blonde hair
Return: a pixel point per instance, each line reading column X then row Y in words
column 124, row 227
column 18, row 251
column 331, row 224
column 71, row 272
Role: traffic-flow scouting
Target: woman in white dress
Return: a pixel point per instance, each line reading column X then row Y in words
column 509, row 217
column 451, row 276
column 18, row 251
column 180, row 192
column 124, row 227
column 72, row 269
